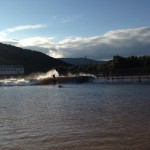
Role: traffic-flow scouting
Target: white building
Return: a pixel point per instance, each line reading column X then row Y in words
column 11, row 70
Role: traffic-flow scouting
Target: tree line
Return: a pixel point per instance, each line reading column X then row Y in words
column 119, row 65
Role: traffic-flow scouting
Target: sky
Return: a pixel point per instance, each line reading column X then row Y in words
column 97, row 29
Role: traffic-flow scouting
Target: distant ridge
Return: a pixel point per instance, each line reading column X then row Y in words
column 32, row 61
column 81, row 61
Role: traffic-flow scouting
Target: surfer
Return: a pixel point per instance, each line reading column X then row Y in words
column 54, row 79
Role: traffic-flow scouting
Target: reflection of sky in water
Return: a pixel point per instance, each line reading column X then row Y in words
column 87, row 116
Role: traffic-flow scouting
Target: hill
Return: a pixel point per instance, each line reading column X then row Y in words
column 81, row 61
column 32, row 61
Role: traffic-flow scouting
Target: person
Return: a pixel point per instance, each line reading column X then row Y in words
column 54, row 79
column 60, row 86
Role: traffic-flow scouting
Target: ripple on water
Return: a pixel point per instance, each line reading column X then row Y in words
column 87, row 116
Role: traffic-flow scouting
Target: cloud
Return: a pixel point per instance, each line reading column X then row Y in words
column 43, row 44
column 5, row 32
column 118, row 42
column 2, row 34
column 36, row 41
column 125, row 42
column 25, row 27
column 70, row 19
column 66, row 19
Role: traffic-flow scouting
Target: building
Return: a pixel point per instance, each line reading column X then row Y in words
column 11, row 70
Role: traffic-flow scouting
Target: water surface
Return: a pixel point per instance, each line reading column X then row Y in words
column 95, row 116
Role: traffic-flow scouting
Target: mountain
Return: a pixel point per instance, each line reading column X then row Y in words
column 32, row 61
column 81, row 61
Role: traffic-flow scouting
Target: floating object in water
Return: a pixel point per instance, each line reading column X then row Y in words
column 60, row 86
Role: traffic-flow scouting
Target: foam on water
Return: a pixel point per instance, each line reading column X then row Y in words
column 32, row 79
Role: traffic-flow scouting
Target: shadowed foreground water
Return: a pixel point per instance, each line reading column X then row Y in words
column 77, row 117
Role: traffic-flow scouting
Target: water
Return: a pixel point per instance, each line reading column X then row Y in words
column 95, row 116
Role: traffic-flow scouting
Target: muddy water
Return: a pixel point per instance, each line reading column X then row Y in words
column 96, row 116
